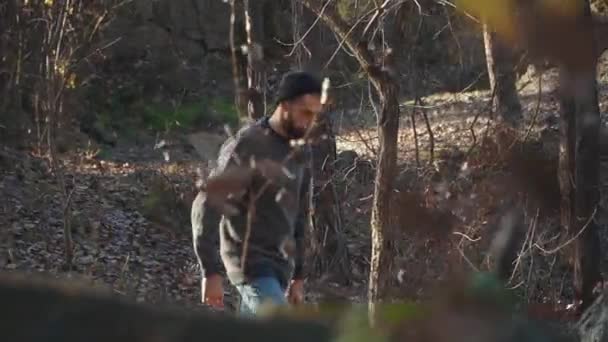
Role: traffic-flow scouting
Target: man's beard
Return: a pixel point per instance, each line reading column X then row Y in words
column 292, row 131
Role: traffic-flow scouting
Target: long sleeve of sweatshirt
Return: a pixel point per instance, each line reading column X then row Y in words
column 205, row 219
column 205, row 230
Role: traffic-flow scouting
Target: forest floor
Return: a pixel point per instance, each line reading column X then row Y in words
column 130, row 207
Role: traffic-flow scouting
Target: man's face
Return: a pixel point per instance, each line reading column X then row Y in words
column 300, row 114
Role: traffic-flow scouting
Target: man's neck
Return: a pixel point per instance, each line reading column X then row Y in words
column 275, row 123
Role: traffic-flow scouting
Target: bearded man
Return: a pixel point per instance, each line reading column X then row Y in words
column 260, row 225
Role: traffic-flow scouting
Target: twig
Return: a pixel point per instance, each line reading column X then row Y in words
column 467, row 237
column 417, row 149
column 379, row 10
column 414, row 81
column 460, row 58
column 470, row 85
column 429, row 129
column 475, row 268
column 528, row 242
column 297, row 10
column 470, row 16
column 343, row 40
column 303, row 37
column 471, row 127
column 537, row 111
column 98, row 50
column 360, row 135
column 534, row 118
column 557, row 249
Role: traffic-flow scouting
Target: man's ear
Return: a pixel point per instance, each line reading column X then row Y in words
column 284, row 107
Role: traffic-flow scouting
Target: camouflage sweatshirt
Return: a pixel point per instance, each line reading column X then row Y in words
column 276, row 237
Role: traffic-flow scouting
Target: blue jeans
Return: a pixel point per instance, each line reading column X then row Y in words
column 259, row 291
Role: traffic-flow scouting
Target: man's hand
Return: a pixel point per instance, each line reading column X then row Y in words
column 295, row 293
column 212, row 291
column 231, row 183
column 234, row 182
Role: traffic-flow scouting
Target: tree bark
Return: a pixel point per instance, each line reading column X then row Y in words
column 380, row 72
column 587, row 252
column 382, row 241
column 579, row 162
column 12, row 38
column 501, row 73
column 238, row 71
column 567, row 141
column 587, row 249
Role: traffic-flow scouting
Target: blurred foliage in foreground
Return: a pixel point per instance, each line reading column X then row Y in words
column 469, row 309
column 547, row 29
column 477, row 308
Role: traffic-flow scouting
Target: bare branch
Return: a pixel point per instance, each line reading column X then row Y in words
column 342, row 29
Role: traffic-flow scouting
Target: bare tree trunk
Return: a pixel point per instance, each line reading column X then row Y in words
column 587, row 252
column 298, row 18
column 501, row 73
column 382, row 241
column 254, row 25
column 53, row 119
column 238, row 74
column 380, row 71
column 566, row 154
column 55, row 51
column 579, row 161
column 12, row 39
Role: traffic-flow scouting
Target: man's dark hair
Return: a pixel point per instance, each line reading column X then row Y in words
column 297, row 83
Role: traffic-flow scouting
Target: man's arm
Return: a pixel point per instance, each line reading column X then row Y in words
column 302, row 226
column 205, row 230
column 210, row 204
column 205, row 218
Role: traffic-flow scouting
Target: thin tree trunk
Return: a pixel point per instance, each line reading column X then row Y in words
column 54, row 85
column 382, row 241
column 238, row 74
column 12, row 45
column 579, row 161
column 501, row 74
column 254, row 26
column 380, row 74
column 298, row 19
column 587, row 251
column 566, row 164
column 567, row 140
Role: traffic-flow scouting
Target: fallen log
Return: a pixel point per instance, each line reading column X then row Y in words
column 36, row 309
